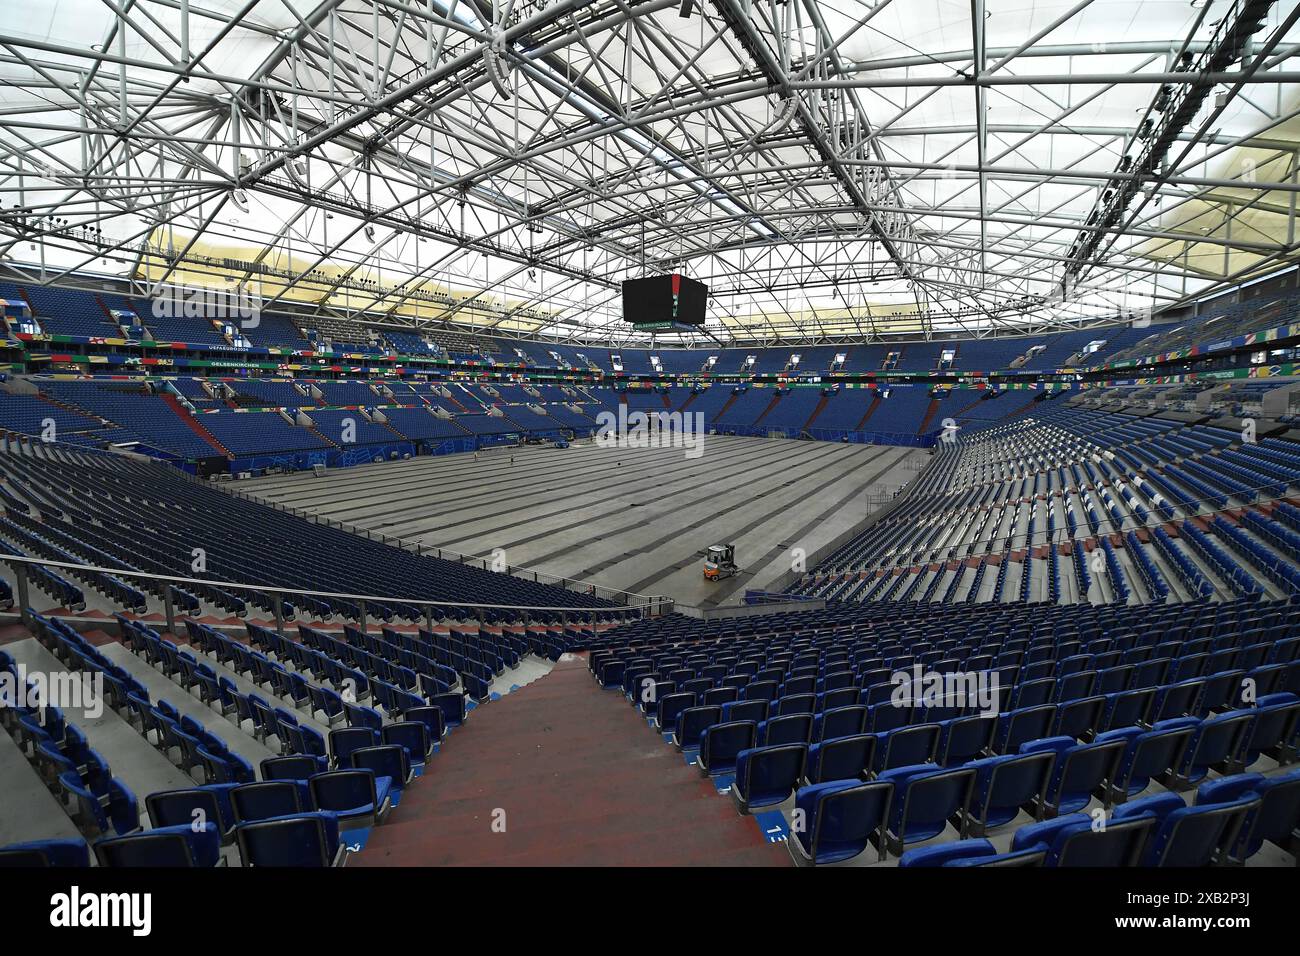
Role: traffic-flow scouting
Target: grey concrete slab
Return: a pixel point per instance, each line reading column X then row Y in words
column 637, row 519
column 131, row 758
column 246, row 686
column 161, row 687
column 28, row 810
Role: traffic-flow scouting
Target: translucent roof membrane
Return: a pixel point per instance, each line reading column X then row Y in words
column 896, row 168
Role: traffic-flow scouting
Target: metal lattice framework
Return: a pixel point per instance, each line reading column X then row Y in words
column 835, row 170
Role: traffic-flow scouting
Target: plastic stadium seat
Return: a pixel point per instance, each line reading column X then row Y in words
column 208, row 804
column 1186, row 836
column 755, row 710
column 840, row 758
column 1273, row 733
column 1277, row 818
column 767, row 776
column 413, row 737
column 942, row 854
column 1080, row 719
column 452, row 706
column 1080, row 771
column 691, row 724
column 1003, row 785
column 183, row 846
column 1024, row 724
column 121, row 815
column 263, row 801
column 385, row 760
column 353, row 795
column 789, row 729
column 1216, row 742
column 57, row 853
column 305, row 840
column 432, row 718
column 292, row 767
column 1128, row 708
column 840, row 722
column 669, row 708
column 965, row 738
column 1148, row 754
column 345, row 740
column 906, row 747
column 720, row 744
column 1072, row 840
column 926, row 796
column 839, row 821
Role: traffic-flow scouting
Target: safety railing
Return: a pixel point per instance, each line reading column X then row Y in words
column 617, row 596
column 280, row 596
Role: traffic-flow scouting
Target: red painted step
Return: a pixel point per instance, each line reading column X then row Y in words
column 195, row 425
column 734, row 396
column 871, row 410
column 564, row 773
column 816, row 411
column 770, row 405
column 929, row 414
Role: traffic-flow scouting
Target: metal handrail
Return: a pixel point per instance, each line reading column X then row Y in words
column 629, row 599
column 22, row 561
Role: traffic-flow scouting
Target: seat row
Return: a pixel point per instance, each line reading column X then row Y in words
column 1230, row 821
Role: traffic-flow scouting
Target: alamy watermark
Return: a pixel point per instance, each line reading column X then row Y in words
column 63, row 689
column 77, row 909
column 651, row 430
column 973, row 690
column 237, row 305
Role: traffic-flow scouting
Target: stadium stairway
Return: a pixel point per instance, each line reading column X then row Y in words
column 770, row 405
column 195, row 425
column 130, row 756
column 815, row 412
column 871, row 410
column 929, row 414
column 581, row 780
column 731, row 400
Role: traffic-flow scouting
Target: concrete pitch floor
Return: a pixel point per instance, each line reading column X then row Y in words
column 636, row 519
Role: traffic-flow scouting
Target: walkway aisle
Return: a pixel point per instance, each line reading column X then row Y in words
column 581, row 780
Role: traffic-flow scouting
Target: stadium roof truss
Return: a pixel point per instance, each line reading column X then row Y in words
column 835, row 170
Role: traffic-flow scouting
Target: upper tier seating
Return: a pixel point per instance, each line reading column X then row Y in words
column 255, row 433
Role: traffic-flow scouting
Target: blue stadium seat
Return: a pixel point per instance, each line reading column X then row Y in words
column 356, row 796
column 1005, row 784
column 46, row 853
column 176, row 846
column 767, row 776
column 305, row 840
column 1073, row 840
column 266, row 800
column 926, row 796
column 721, row 744
column 838, row 821
column 840, row 758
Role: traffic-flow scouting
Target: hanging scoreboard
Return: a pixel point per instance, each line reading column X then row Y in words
column 662, row 302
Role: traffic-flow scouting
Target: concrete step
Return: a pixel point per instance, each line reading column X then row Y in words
column 31, row 811
column 161, row 687
column 129, row 755
column 246, row 686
